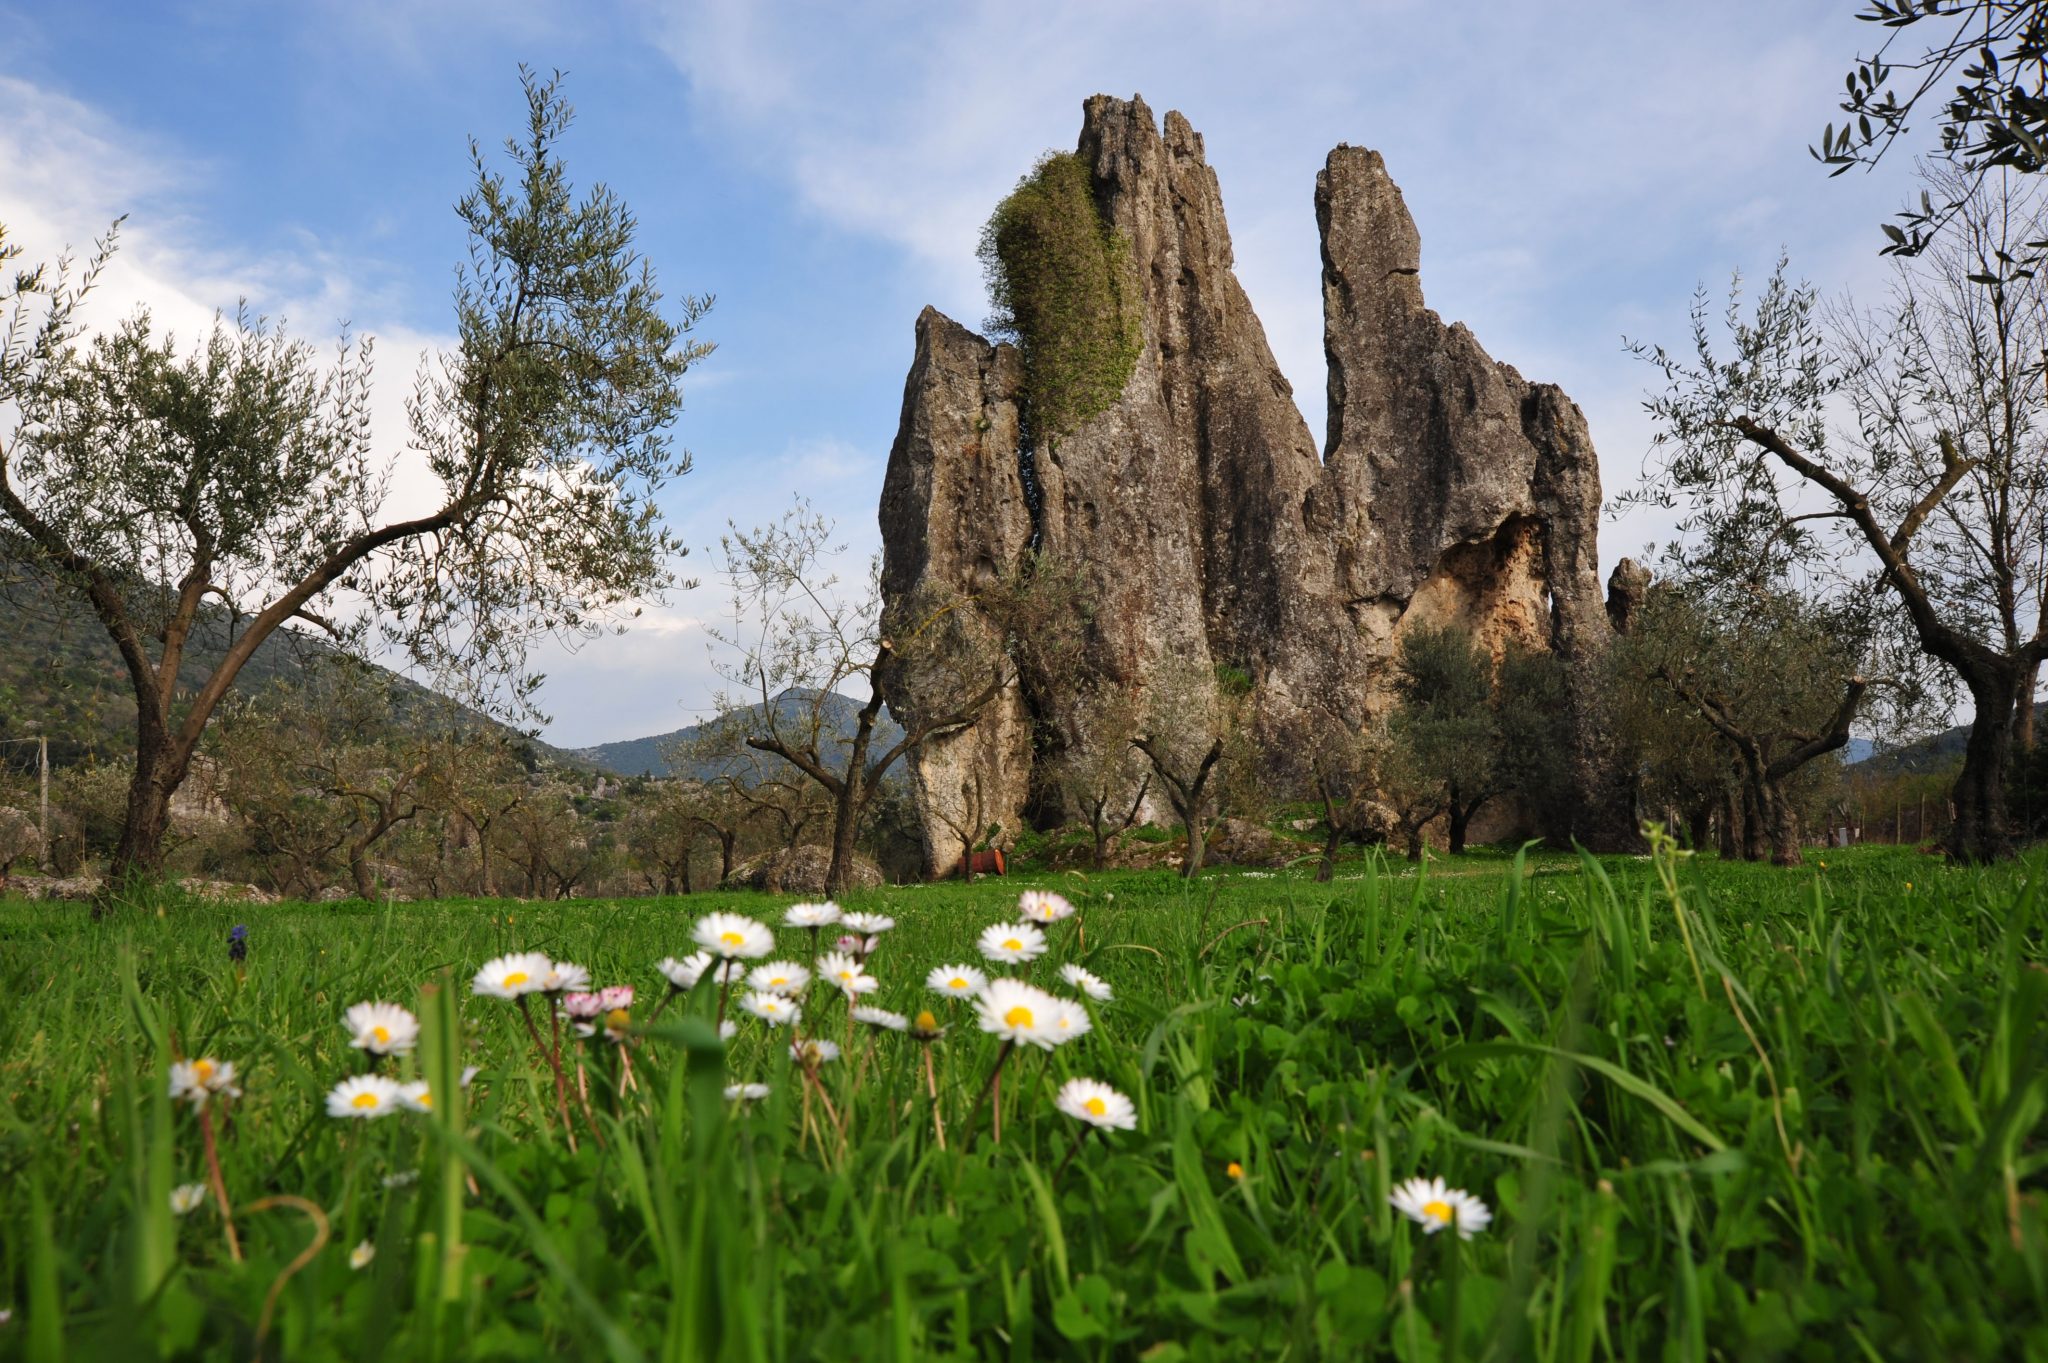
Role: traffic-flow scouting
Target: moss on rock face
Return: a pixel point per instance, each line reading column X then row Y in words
column 1062, row 290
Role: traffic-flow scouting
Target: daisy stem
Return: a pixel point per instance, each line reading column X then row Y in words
column 931, row 1084
column 724, row 991
column 655, row 1016
column 1072, row 1151
column 554, row 1064
column 220, row 1187
column 993, row 1086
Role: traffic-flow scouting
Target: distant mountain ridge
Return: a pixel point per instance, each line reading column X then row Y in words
column 647, row 756
column 1934, row 753
column 62, row 678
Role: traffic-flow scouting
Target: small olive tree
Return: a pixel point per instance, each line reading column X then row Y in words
column 798, row 637
column 150, row 484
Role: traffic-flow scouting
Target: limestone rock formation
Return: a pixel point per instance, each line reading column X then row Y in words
column 1207, row 523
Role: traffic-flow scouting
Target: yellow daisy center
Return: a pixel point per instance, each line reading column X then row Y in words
column 1020, row 1016
column 1096, row 1107
column 517, row 977
column 957, row 982
column 732, row 939
column 202, row 1070
column 1013, row 945
column 425, row 1099
column 778, row 980
column 363, row 1100
column 926, row 1022
column 1439, row 1212
column 618, row 1019
column 383, row 1035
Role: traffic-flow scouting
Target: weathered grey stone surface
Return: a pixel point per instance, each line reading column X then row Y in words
column 1199, row 508
column 1627, row 586
column 797, row 870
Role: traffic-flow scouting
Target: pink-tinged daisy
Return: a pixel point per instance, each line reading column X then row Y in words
column 581, row 1007
column 1043, row 906
column 509, row 977
column 1017, row 1012
column 366, row 1096
column 1012, row 943
column 381, row 1028
column 1434, row 1206
column 1088, row 982
column 957, row 981
column 779, row 977
column 1097, row 1104
column 733, row 936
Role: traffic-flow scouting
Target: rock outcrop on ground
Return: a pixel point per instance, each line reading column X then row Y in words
column 798, row 870
column 1209, row 526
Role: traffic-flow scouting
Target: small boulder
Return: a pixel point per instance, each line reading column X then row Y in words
column 798, row 870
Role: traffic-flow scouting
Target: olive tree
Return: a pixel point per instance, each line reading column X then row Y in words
column 1902, row 442
column 1775, row 677
column 154, row 485
column 799, row 635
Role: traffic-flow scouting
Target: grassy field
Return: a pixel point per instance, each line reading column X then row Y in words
column 1717, row 1111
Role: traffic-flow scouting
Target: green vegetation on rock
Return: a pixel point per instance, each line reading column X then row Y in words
column 1063, row 291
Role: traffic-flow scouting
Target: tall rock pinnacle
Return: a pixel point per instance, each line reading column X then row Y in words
column 1197, row 507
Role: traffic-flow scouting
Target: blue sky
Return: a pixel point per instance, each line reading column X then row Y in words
column 824, row 169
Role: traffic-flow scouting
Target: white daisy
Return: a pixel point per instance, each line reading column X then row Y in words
column 1017, row 1012
column 780, row 977
column 365, row 1096
column 811, row 915
column 867, row 924
column 957, row 981
column 1043, row 906
column 1088, row 982
column 1097, row 1104
column 404, row 1178
column 733, row 936
column 1012, row 943
column 745, row 1093
column 186, row 1197
column 359, row 1257
column 728, row 1029
column 1434, row 1206
column 684, row 974
column 772, row 1009
column 508, row 977
column 198, row 1080
column 381, row 1028
column 813, row 1052
column 843, row 972
column 882, row 1018
column 1069, row 1021
column 564, row 977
